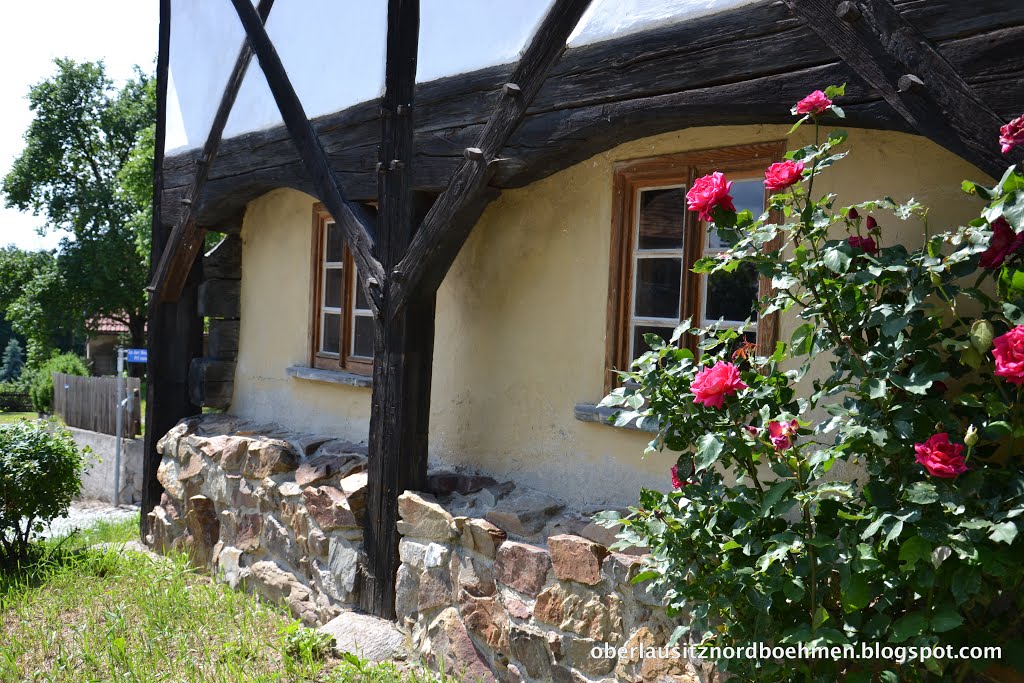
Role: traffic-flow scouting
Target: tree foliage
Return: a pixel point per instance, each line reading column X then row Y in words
column 73, row 172
column 12, row 362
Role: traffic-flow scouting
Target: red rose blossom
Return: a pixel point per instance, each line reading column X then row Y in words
column 815, row 103
column 940, row 457
column 712, row 385
column 1009, row 354
column 709, row 192
column 853, row 214
column 1012, row 134
column 865, row 244
column 871, row 223
column 1003, row 243
column 781, row 175
column 677, row 483
column 781, row 433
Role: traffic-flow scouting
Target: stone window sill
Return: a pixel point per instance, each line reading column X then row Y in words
column 329, row 376
column 589, row 412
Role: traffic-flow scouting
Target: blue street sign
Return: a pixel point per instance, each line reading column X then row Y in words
column 137, row 356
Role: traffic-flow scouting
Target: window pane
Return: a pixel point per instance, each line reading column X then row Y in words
column 731, row 296
column 657, row 287
column 748, row 194
column 331, row 333
column 333, row 284
column 362, row 336
column 361, row 302
column 334, row 243
column 639, row 345
column 662, row 214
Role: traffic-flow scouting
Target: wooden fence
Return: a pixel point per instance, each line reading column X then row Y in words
column 89, row 403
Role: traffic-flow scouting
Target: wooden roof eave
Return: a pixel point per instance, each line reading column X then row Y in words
column 745, row 66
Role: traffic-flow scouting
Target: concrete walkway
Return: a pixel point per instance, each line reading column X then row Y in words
column 85, row 513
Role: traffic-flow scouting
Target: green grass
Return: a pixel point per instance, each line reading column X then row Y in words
column 7, row 418
column 81, row 614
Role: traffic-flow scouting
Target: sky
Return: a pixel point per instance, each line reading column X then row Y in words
column 35, row 32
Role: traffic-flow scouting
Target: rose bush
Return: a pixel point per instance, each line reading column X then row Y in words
column 916, row 544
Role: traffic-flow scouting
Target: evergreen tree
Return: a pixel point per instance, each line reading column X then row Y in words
column 13, row 361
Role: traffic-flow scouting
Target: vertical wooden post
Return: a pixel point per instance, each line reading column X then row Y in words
column 403, row 344
column 175, row 333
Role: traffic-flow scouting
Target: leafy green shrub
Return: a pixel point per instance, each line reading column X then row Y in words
column 42, row 383
column 40, row 472
column 305, row 644
column 758, row 542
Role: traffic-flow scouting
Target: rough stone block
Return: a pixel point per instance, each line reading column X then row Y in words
column 485, row 617
column 574, row 558
column 449, row 642
column 524, row 512
column 328, row 506
column 531, row 650
column 579, row 610
column 369, row 637
column 424, row 518
column 522, row 567
column 267, row 457
column 481, row 536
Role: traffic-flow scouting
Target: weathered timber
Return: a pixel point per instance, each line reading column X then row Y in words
column 650, row 65
column 220, row 299
column 211, row 382
column 175, row 332
column 401, row 370
column 224, row 260
column 888, row 52
column 222, row 339
column 351, row 218
column 187, row 237
column 447, row 226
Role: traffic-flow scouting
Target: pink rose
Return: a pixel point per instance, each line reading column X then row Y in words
column 815, row 103
column 940, row 457
column 677, row 483
column 781, row 433
column 1009, row 355
column 781, row 175
column 712, row 385
column 865, row 244
column 709, row 192
column 1003, row 243
column 1012, row 134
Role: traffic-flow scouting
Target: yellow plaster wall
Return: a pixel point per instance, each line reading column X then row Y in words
column 521, row 316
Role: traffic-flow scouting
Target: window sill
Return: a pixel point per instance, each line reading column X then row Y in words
column 589, row 412
column 329, row 376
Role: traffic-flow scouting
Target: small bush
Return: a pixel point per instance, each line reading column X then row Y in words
column 42, row 384
column 307, row 645
column 40, row 472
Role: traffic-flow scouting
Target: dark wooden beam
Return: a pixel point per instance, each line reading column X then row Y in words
column 894, row 57
column 355, row 224
column 175, row 331
column 447, row 226
column 403, row 344
column 618, row 90
column 187, row 238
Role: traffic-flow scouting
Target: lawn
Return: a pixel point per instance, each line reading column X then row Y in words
column 6, row 418
column 89, row 614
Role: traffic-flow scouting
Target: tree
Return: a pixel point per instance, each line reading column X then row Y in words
column 83, row 136
column 35, row 299
column 13, row 361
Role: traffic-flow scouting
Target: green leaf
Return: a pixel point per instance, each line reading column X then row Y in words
column 915, row 549
column 774, row 495
column 1004, row 532
column 837, row 260
column 800, row 342
column 946, row 618
column 857, row 594
column 909, row 626
column 875, row 388
column 709, row 449
column 922, row 493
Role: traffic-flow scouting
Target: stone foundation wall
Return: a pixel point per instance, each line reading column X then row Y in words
column 276, row 512
column 496, row 583
column 494, row 608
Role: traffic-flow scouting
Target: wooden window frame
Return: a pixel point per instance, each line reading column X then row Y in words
column 344, row 361
column 739, row 162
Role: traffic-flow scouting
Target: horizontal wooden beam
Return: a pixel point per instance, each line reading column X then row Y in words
column 643, row 84
column 894, row 57
column 448, row 223
column 187, row 238
column 353, row 221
